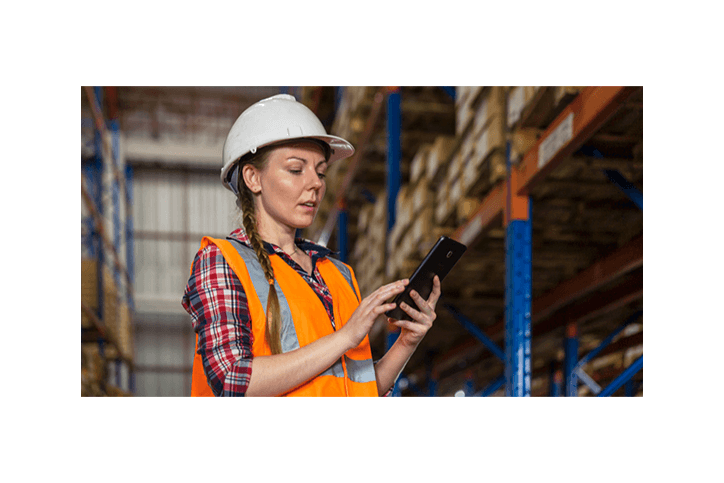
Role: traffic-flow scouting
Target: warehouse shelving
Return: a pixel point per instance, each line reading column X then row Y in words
column 615, row 278
column 568, row 132
column 106, row 271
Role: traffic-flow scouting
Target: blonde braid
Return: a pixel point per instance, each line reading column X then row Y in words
column 273, row 311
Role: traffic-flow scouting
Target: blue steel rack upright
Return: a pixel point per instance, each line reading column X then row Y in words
column 394, row 127
column 518, row 289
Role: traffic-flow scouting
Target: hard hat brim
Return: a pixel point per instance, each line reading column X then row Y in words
column 338, row 149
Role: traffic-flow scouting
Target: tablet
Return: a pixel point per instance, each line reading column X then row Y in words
column 439, row 261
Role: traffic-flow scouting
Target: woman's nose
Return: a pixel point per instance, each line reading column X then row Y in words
column 316, row 182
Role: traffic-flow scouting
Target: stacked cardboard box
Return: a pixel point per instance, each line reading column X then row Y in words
column 518, row 99
column 483, row 153
column 369, row 251
column 465, row 97
column 421, row 209
column 449, row 192
column 439, row 160
column 396, row 241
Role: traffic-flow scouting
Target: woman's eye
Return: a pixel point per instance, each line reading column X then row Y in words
column 321, row 175
column 295, row 171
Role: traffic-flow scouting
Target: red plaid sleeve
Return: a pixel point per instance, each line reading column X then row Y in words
column 217, row 303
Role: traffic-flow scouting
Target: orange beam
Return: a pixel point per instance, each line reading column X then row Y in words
column 623, row 260
column 517, row 208
column 490, row 210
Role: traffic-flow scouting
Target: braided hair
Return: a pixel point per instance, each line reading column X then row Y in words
column 245, row 202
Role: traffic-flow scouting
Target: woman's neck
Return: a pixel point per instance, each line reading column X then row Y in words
column 281, row 236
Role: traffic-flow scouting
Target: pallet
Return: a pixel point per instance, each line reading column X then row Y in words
column 490, row 106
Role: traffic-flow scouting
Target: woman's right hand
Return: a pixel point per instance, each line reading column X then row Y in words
column 372, row 306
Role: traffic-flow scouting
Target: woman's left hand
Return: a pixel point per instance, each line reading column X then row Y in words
column 412, row 331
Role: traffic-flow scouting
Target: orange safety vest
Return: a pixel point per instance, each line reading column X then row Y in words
column 304, row 320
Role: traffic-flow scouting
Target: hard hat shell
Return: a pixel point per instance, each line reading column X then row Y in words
column 275, row 119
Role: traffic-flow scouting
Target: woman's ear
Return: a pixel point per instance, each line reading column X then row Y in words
column 251, row 177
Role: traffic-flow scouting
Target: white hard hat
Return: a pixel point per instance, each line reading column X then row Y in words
column 277, row 118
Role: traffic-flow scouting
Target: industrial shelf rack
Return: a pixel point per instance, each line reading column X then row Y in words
column 571, row 300
column 106, row 258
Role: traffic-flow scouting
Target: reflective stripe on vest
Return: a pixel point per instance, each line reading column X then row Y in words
column 261, row 285
column 356, row 364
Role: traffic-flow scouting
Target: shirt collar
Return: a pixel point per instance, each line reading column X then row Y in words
column 307, row 245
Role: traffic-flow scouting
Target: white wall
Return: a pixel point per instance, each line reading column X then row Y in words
column 171, row 211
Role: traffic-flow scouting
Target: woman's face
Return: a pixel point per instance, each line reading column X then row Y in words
column 290, row 187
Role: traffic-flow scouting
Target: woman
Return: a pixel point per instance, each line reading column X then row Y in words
column 274, row 315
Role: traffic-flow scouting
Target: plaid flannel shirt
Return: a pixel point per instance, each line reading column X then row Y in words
column 217, row 303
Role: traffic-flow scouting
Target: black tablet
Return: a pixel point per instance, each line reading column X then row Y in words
column 439, row 261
